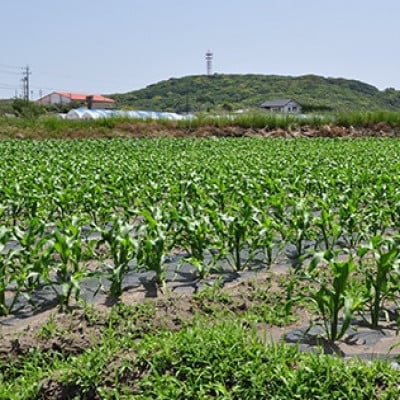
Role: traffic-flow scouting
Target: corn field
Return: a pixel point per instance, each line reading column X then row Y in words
column 334, row 202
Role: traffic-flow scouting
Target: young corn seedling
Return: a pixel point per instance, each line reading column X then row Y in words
column 194, row 235
column 300, row 227
column 7, row 271
column 277, row 206
column 123, row 249
column 327, row 227
column 331, row 294
column 66, row 245
column 350, row 220
column 153, row 243
column 32, row 256
column 381, row 273
column 380, row 207
column 266, row 233
column 24, row 261
column 14, row 202
column 238, row 233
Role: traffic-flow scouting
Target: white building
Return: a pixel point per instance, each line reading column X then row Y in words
column 282, row 105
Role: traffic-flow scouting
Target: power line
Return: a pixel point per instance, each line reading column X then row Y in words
column 8, row 72
column 9, row 66
column 8, row 69
column 47, row 88
column 7, row 84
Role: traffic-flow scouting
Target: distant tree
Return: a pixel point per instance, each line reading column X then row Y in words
column 227, row 107
column 27, row 109
column 6, row 107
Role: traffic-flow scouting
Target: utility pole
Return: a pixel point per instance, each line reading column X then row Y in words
column 25, row 82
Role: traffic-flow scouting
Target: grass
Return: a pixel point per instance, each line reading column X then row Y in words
column 254, row 303
column 226, row 360
column 131, row 352
column 53, row 127
column 204, row 359
column 369, row 119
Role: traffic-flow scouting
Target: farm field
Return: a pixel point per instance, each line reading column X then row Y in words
column 263, row 233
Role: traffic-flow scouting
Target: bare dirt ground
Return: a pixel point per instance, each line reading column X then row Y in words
column 156, row 130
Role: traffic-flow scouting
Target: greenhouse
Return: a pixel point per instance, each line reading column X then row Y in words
column 84, row 113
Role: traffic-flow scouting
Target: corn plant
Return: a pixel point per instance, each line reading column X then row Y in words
column 350, row 219
column 236, row 230
column 379, row 207
column 123, row 249
column 300, row 225
column 152, row 243
column 277, row 207
column 381, row 274
column 66, row 247
column 266, row 233
column 14, row 201
column 195, row 235
column 23, row 262
column 7, row 270
column 331, row 291
column 326, row 225
column 33, row 256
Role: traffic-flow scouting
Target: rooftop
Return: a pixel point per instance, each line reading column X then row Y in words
column 276, row 103
column 82, row 97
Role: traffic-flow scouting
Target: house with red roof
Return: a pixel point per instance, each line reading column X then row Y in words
column 91, row 100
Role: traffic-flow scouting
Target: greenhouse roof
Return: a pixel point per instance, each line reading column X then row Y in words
column 84, row 113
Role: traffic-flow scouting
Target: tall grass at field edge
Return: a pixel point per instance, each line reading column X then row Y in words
column 41, row 127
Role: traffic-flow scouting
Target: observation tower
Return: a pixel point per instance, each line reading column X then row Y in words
column 209, row 58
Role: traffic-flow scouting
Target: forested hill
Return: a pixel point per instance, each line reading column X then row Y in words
column 232, row 92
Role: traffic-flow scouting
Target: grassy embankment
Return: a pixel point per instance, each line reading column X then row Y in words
column 253, row 123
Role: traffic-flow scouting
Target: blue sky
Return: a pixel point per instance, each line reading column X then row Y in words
column 99, row 46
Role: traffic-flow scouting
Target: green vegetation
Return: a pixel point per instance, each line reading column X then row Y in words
column 102, row 208
column 30, row 109
column 133, row 357
column 332, row 295
column 226, row 361
column 233, row 92
column 239, row 198
column 6, row 107
column 27, row 109
column 356, row 123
